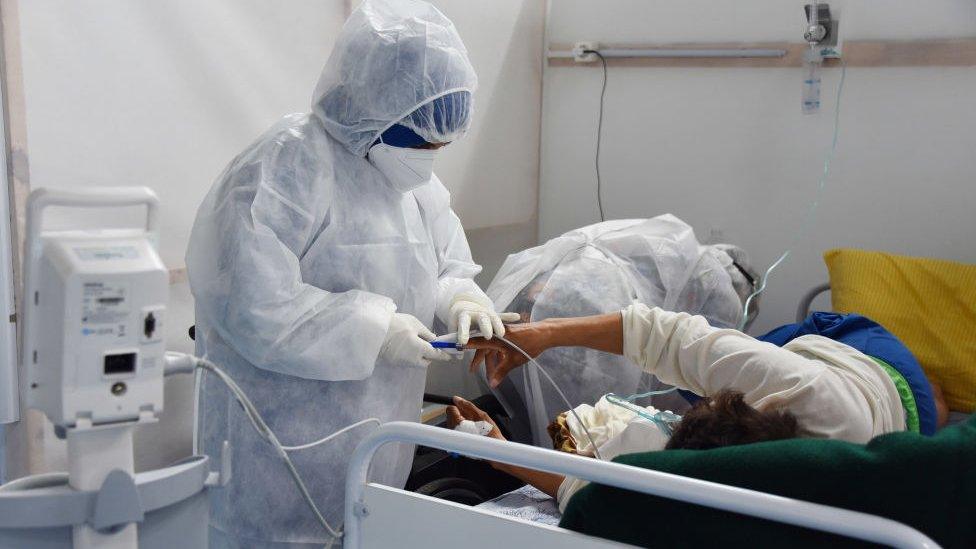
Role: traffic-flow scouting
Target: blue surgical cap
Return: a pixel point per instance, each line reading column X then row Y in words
column 448, row 115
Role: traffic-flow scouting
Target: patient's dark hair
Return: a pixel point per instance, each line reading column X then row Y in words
column 726, row 420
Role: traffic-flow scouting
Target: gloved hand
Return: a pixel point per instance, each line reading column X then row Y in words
column 407, row 341
column 468, row 306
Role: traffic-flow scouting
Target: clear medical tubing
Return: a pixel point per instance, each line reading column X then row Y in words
column 267, row 434
column 811, row 212
column 572, row 410
column 664, row 420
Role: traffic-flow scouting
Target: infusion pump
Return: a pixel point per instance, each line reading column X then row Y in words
column 93, row 348
column 93, row 360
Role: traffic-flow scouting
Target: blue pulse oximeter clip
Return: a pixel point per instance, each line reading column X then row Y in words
column 449, row 342
column 447, row 345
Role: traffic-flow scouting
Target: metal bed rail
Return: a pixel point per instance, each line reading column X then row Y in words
column 719, row 496
column 803, row 309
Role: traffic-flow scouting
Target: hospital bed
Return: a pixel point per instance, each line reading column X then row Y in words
column 378, row 516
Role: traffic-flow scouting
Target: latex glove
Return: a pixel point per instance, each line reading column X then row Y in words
column 467, row 306
column 408, row 341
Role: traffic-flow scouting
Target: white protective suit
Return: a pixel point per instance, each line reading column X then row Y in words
column 599, row 269
column 299, row 256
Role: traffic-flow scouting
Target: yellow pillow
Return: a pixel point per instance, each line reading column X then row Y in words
column 929, row 304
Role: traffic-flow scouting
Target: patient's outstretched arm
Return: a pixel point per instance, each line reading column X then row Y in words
column 600, row 332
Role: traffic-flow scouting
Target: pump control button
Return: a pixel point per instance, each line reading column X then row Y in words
column 149, row 326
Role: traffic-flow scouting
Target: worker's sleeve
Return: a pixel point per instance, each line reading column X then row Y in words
column 456, row 268
column 244, row 269
column 685, row 351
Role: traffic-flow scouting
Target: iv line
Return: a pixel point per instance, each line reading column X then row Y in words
column 663, row 418
column 811, row 212
column 572, row 410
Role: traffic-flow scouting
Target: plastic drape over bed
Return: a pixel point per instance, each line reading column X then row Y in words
column 603, row 268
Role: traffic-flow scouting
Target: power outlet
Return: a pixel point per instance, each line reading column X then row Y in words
column 580, row 48
column 831, row 48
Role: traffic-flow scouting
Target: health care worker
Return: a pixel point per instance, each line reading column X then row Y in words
column 318, row 262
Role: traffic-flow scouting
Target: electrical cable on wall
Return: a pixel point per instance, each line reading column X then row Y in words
column 599, row 135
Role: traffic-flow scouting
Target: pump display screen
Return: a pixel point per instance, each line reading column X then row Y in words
column 120, row 364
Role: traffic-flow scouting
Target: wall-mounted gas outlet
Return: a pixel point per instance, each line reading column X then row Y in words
column 824, row 36
column 580, row 49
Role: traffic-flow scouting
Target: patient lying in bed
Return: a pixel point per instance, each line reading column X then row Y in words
column 812, row 386
column 722, row 420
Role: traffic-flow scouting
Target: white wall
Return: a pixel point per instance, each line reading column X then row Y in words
column 165, row 94
column 727, row 149
column 493, row 172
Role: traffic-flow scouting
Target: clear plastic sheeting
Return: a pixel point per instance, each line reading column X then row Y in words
column 603, row 268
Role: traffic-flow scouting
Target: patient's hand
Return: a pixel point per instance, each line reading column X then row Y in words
column 500, row 358
column 463, row 410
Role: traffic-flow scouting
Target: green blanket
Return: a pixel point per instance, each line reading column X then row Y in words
column 928, row 483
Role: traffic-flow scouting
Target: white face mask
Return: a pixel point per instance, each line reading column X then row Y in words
column 405, row 169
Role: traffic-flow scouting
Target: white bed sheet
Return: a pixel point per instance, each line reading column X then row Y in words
column 526, row 503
